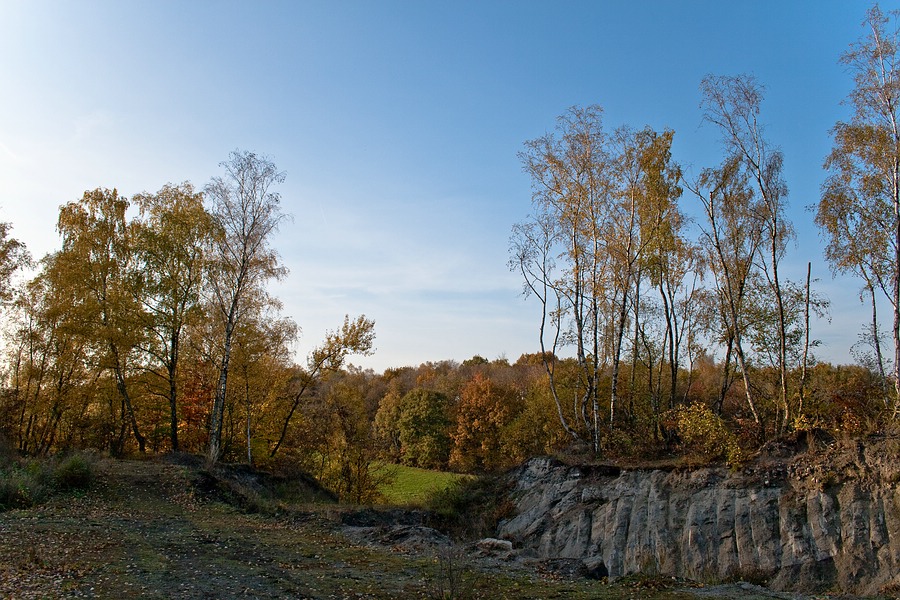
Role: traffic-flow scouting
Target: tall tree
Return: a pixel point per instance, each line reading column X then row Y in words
column 668, row 257
column 859, row 212
column 732, row 104
column 246, row 213
column 48, row 364
column 649, row 250
column 730, row 238
column 171, row 237
column 96, row 265
column 624, row 244
column 532, row 247
column 602, row 210
column 563, row 258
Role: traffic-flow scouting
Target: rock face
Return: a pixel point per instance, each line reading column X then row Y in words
column 814, row 521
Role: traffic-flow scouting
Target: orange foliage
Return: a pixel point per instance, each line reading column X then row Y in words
column 485, row 409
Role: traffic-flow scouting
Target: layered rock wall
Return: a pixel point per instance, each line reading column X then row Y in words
column 812, row 522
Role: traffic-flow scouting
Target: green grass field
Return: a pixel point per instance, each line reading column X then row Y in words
column 410, row 486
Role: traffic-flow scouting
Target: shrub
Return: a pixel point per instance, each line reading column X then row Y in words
column 470, row 508
column 74, row 472
column 10, row 492
column 618, row 444
column 26, row 483
column 453, row 578
column 20, row 489
column 705, row 433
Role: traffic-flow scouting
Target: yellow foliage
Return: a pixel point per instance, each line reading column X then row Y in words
column 704, row 432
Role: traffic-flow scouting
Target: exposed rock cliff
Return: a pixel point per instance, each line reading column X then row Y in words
column 826, row 519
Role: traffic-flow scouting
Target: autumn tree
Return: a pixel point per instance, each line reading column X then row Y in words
column 559, row 253
column 484, row 412
column 14, row 256
column 353, row 337
column 859, row 212
column 533, row 430
column 732, row 104
column 603, row 231
column 349, row 462
column 625, row 246
column 96, row 266
column 730, row 238
column 171, row 238
column 660, row 255
column 246, row 212
column 262, row 366
column 48, row 369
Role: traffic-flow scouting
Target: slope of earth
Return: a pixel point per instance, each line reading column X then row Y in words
column 149, row 528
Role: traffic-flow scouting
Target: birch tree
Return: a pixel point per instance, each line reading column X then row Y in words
column 732, row 104
column 730, row 237
column 562, row 256
column 95, row 265
column 246, row 213
column 859, row 212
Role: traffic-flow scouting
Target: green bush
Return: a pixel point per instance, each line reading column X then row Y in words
column 74, row 472
column 469, row 508
column 27, row 483
column 7, row 452
column 10, row 492
column 20, row 489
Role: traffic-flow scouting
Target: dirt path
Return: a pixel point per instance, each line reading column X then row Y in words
column 141, row 532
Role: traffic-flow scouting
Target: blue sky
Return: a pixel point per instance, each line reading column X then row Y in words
column 398, row 125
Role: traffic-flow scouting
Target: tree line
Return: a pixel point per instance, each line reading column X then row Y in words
column 625, row 278
column 153, row 321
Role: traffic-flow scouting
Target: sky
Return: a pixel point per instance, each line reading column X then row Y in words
column 398, row 125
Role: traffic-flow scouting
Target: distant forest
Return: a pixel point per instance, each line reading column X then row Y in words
column 152, row 329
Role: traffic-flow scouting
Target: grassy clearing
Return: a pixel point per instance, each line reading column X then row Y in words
column 410, row 486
